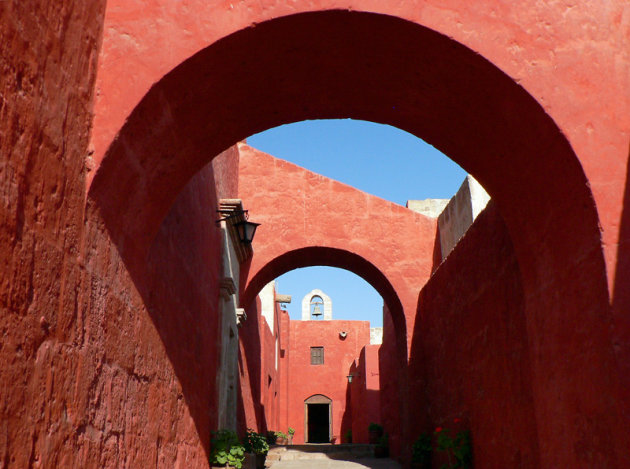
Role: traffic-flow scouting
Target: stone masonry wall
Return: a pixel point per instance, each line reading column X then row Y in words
column 47, row 73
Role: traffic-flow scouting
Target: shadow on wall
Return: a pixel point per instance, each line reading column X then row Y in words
column 346, row 419
column 469, row 354
column 393, row 384
column 443, row 89
column 621, row 298
column 250, row 373
column 178, row 284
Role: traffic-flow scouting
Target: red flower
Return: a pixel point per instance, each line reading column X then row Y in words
column 457, row 420
column 438, row 429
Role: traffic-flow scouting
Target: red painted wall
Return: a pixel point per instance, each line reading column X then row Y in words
column 100, row 366
column 470, row 356
column 278, row 404
column 365, row 394
column 270, row 376
column 328, row 379
column 394, row 388
column 271, row 188
column 250, row 412
column 517, row 43
column 263, row 385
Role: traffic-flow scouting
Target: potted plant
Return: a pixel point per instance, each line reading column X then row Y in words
column 257, row 444
column 227, row 451
column 280, row 438
column 381, row 450
column 375, row 432
column 421, row 452
column 291, row 432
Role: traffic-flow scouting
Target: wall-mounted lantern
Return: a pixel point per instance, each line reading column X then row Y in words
column 350, row 377
column 240, row 230
column 246, row 230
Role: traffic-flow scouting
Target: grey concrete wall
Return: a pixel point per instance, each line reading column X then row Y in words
column 376, row 335
column 428, row 207
column 268, row 303
column 454, row 215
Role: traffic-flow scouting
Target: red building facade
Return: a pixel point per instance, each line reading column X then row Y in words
column 304, row 376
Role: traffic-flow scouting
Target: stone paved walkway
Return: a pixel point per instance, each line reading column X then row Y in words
column 363, row 463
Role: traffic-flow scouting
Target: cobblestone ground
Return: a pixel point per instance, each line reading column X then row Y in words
column 364, row 463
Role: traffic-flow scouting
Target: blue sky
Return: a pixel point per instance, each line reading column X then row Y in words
column 378, row 159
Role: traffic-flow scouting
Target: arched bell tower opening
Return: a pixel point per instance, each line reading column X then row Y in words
column 316, row 305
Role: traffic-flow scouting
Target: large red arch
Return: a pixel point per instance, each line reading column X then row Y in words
column 348, row 64
column 566, row 56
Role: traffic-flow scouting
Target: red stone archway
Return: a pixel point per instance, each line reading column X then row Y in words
column 332, row 257
column 349, row 64
column 307, row 219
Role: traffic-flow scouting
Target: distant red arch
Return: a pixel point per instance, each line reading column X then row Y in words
column 331, row 257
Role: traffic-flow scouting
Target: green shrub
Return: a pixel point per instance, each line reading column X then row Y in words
column 375, row 427
column 421, row 450
column 226, row 449
column 255, row 442
column 457, row 448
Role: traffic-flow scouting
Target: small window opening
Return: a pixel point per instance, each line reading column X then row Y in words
column 317, row 355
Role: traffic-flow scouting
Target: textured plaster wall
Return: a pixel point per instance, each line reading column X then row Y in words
column 91, row 367
column 78, row 316
column 541, row 45
column 470, row 357
column 272, row 398
column 395, row 240
column 249, row 408
column 393, row 386
column 270, row 378
column 47, row 73
column 365, row 394
column 262, row 371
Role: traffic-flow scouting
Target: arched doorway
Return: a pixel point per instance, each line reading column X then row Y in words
column 318, row 419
